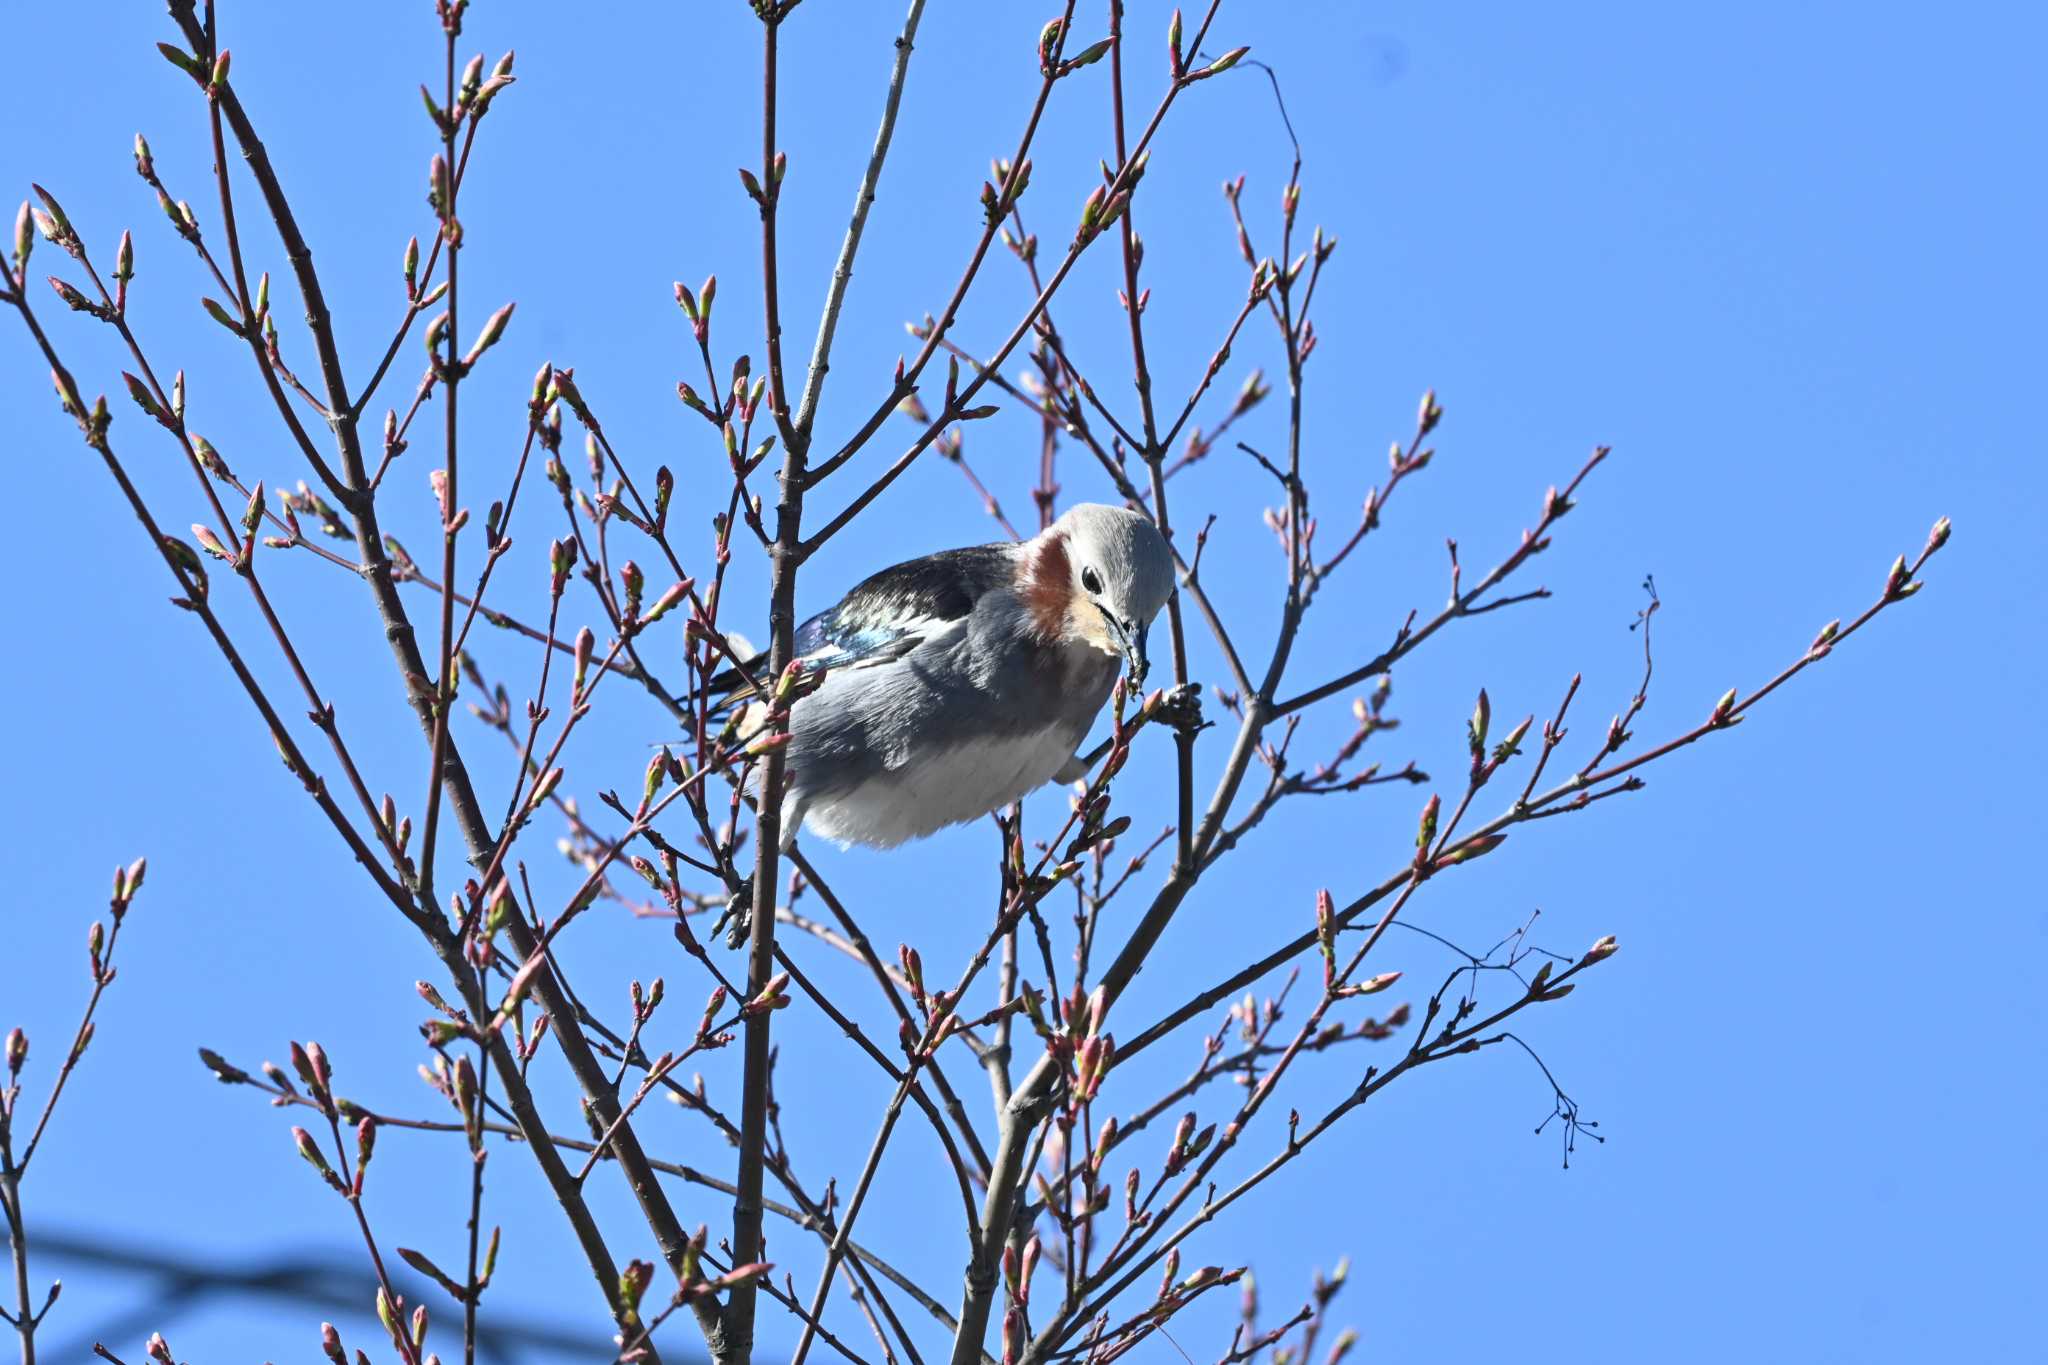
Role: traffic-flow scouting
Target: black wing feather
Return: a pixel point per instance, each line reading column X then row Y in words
column 889, row 613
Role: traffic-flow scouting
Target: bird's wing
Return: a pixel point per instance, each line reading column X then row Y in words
column 893, row 612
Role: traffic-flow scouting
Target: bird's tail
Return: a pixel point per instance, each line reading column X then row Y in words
column 728, row 687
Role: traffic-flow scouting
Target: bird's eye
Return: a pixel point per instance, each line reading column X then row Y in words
column 1090, row 581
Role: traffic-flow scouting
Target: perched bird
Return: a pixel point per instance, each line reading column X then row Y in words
column 956, row 683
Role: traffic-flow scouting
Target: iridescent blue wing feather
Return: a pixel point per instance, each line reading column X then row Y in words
column 894, row 611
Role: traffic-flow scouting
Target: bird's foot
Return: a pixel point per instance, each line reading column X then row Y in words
column 1181, row 708
column 737, row 919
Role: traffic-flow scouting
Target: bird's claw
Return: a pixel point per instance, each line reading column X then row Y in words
column 737, row 919
column 1181, row 708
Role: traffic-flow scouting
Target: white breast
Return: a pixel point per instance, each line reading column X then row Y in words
column 938, row 788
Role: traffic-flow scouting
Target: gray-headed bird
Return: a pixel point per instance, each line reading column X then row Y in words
column 956, row 683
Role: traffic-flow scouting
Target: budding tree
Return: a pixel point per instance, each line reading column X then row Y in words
column 563, row 572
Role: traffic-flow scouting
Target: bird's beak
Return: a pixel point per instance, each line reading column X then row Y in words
column 1132, row 637
column 1134, row 649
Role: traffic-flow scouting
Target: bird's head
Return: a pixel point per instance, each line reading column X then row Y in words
column 1118, row 573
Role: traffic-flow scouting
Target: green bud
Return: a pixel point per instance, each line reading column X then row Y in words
column 60, row 226
column 181, row 59
column 315, row 1158
column 1225, row 62
column 1089, row 55
column 210, row 458
column 139, row 391
column 222, row 316
column 437, row 332
column 1048, row 41
column 1091, row 211
column 667, row 601
column 494, row 328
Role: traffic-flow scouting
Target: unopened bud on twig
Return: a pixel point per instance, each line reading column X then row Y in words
column 1428, row 413
column 1482, row 716
column 310, row 1150
column 494, row 328
column 1087, row 56
column 1466, row 850
column 668, row 601
column 770, row 998
column 1220, row 65
column 1048, row 45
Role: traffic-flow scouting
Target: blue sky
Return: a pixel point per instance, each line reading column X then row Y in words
column 1784, row 259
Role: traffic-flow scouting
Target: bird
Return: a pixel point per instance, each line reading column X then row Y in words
column 956, row 683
